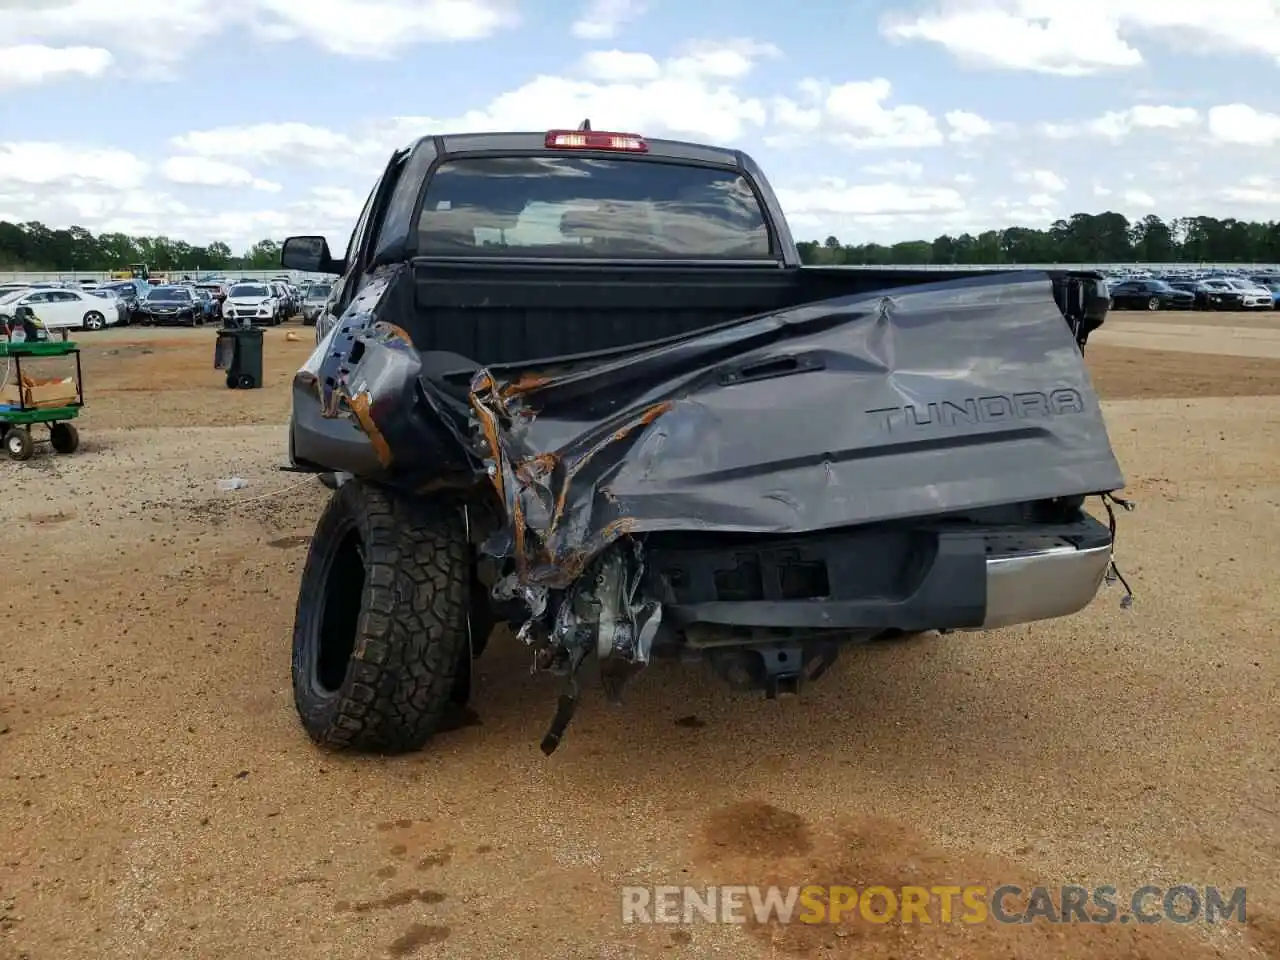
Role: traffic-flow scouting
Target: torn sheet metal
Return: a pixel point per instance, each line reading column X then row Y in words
column 927, row 400
column 943, row 398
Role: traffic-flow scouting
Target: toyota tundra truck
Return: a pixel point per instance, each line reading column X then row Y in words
column 580, row 383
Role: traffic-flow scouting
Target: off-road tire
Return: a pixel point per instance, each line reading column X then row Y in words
column 410, row 629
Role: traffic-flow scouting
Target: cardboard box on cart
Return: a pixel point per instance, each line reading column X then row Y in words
column 35, row 393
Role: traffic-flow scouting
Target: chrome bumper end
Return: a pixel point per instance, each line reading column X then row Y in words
column 1042, row 581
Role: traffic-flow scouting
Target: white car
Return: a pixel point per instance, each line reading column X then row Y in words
column 251, row 303
column 60, row 309
column 1255, row 296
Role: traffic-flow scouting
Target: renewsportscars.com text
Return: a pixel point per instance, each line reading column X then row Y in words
column 972, row 904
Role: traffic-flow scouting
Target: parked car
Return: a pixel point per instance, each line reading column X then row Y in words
column 284, row 298
column 1253, row 296
column 618, row 434
column 210, row 307
column 62, row 309
column 171, row 304
column 131, row 292
column 1272, row 284
column 1150, row 295
column 313, row 301
column 252, row 302
column 121, row 308
column 1210, row 294
column 217, row 290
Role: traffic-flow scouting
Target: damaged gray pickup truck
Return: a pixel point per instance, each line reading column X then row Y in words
column 579, row 382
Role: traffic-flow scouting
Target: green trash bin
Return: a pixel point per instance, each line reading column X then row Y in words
column 239, row 352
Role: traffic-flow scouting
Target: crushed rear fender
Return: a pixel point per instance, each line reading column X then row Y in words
column 922, row 401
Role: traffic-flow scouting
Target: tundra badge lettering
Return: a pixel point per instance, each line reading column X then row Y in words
column 994, row 408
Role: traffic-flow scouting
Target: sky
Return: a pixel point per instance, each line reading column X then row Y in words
column 875, row 120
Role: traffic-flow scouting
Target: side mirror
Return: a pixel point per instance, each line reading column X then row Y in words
column 309, row 255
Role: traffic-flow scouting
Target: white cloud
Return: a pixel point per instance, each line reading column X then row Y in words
column 152, row 38
column 1116, row 124
column 906, row 169
column 138, row 32
column 726, row 60
column 602, row 19
column 1260, row 191
column 1088, row 36
column 837, row 198
column 966, row 126
column 27, row 65
column 685, row 95
column 618, row 65
column 1139, row 199
column 689, row 96
column 857, row 115
column 42, row 164
column 380, row 28
column 1066, row 43
column 269, row 142
column 1242, row 125
column 203, row 172
column 1044, row 179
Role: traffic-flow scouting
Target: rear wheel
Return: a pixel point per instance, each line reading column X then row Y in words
column 1153, row 303
column 64, row 438
column 381, row 624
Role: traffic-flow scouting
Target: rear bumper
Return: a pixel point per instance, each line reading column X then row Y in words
column 1043, row 582
column 910, row 579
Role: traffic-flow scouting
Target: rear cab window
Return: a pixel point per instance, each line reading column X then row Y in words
column 590, row 207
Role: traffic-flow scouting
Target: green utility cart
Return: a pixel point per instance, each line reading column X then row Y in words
column 26, row 400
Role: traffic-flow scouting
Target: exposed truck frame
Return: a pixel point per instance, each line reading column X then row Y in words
column 806, row 458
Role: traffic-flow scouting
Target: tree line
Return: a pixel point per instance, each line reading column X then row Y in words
column 35, row 246
column 1082, row 238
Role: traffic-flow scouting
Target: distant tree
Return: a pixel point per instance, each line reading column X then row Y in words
column 1106, row 237
column 34, row 246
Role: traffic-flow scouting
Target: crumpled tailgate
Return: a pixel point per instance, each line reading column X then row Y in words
column 922, row 401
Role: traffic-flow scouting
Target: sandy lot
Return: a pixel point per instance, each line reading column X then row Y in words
column 1250, row 336
column 158, row 798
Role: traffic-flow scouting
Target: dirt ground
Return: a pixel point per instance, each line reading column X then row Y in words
column 158, row 798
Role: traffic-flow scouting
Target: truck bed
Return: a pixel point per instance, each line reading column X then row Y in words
column 510, row 313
